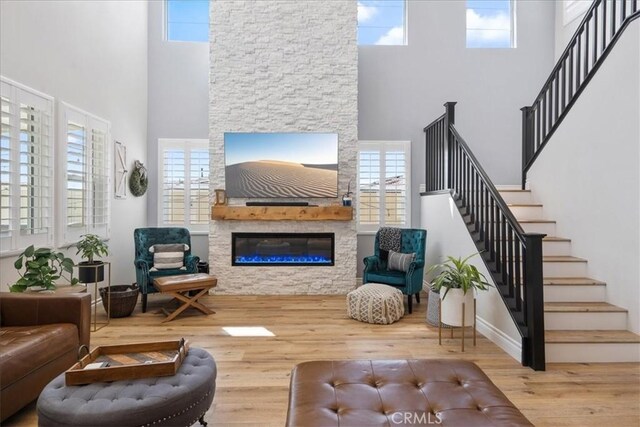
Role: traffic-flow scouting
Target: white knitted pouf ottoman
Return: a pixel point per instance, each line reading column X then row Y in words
column 375, row 303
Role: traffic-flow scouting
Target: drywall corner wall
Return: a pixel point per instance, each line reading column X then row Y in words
column 92, row 55
column 588, row 175
column 178, row 103
column 447, row 235
column 402, row 88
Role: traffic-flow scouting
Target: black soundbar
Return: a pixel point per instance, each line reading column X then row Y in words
column 277, row 203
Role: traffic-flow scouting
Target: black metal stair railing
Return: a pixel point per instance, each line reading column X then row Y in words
column 513, row 257
column 600, row 29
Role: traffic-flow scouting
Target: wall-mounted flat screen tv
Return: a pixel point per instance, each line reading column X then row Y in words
column 294, row 165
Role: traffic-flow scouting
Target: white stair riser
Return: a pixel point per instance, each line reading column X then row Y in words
column 527, row 212
column 564, row 269
column 574, row 293
column 585, row 321
column 592, row 352
column 556, row 248
column 548, row 228
column 517, row 197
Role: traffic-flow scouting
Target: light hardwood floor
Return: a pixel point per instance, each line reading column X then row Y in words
column 253, row 372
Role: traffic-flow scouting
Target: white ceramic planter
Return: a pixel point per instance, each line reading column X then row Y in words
column 452, row 307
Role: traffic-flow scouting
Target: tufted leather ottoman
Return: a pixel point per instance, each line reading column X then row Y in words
column 397, row 392
column 179, row 400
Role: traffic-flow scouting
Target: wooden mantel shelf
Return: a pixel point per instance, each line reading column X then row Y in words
column 282, row 213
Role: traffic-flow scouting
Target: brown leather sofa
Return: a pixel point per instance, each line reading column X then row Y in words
column 397, row 393
column 39, row 338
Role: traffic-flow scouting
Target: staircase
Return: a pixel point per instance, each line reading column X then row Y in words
column 580, row 326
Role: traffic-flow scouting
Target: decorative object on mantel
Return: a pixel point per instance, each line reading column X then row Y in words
column 221, row 197
column 346, row 198
column 120, row 172
column 138, row 181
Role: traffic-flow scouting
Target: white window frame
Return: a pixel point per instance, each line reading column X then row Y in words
column 513, row 37
column 16, row 242
column 383, row 147
column 69, row 235
column 186, row 145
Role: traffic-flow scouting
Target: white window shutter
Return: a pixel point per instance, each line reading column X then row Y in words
column 26, row 168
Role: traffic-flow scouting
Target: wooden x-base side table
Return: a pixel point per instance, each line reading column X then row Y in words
column 180, row 287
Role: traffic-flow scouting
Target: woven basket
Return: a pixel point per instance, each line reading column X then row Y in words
column 433, row 309
column 123, row 299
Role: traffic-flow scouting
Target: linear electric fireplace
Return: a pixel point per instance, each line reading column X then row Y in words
column 282, row 249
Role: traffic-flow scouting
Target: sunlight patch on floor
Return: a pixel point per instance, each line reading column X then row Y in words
column 248, row 331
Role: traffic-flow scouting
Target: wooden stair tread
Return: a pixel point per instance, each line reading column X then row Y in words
column 562, row 258
column 595, row 337
column 555, row 239
column 572, row 281
column 582, row 307
column 513, row 190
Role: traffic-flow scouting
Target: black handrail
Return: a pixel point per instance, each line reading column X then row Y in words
column 600, row 29
column 513, row 257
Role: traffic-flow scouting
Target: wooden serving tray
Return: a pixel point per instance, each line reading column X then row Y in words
column 129, row 361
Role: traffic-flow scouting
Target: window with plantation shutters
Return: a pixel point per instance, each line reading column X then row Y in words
column 383, row 184
column 26, row 168
column 85, row 165
column 184, row 183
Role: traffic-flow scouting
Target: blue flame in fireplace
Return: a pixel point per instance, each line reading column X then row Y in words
column 282, row 259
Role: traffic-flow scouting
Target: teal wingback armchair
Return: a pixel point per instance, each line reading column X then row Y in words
column 409, row 282
column 144, row 238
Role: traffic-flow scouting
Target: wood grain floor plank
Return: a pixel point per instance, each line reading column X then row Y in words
column 254, row 372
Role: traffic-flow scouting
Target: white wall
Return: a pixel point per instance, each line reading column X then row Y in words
column 92, row 55
column 178, row 103
column 565, row 28
column 448, row 236
column 588, row 175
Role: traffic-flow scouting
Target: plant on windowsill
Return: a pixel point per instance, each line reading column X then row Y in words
column 42, row 268
column 460, row 281
column 91, row 247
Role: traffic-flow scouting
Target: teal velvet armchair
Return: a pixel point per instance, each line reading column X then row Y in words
column 409, row 282
column 144, row 238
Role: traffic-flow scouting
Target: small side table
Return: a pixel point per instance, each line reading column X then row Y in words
column 451, row 328
column 95, row 325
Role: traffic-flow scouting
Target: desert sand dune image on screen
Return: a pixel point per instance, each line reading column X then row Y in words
column 272, row 178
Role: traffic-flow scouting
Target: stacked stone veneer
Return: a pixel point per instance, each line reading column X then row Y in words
column 284, row 66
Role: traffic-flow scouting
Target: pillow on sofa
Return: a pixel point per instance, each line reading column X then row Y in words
column 399, row 261
column 168, row 255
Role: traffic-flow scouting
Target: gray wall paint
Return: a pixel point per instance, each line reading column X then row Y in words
column 402, row 88
column 92, row 55
column 178, row 102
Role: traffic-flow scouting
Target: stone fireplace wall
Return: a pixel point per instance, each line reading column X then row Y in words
column 284, row 66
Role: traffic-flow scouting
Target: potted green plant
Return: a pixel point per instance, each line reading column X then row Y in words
column 42, row 268
column 460, row 281
column 89, row 248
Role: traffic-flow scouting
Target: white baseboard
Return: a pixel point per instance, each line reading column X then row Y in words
column 512, row 347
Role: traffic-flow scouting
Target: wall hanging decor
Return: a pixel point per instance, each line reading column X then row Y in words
column 120, row 172
column 138, row 180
